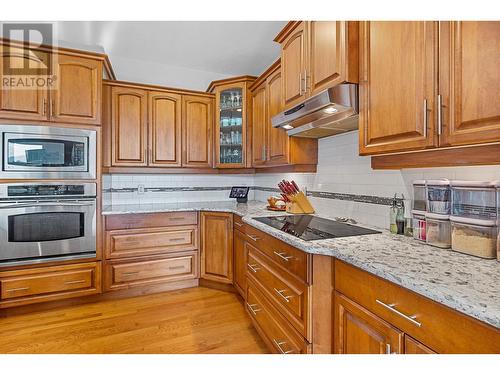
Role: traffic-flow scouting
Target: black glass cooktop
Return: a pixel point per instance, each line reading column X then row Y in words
column 309, row 228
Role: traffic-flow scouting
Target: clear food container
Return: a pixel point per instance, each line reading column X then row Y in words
column 438, row 197
column 438, row 230
column 419, row 197
column 419, row 225
column 473, row 200
column 474, row 237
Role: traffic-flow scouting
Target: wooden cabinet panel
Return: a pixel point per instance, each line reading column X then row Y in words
column 259, row 124
column 128, row 126
column 437, row 324
column 277, row 139
column 123, row 274
column 138, row 242
column 289, row 295
column 240, row 262
column 398, row 74
column 326, row 46
column 27, row 286
column 163, row 219
column 278, row 334
column 77, row 98
column 469, row 81
column 24, row 104
column 358, row 331
column 293, row 62
column 217, row 246
column 164, row 111
column 412, row 346
column 295, row 261
column 197, row 136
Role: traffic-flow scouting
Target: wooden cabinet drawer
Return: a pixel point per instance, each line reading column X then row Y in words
column 295, row 261
column 278, row 334
column 49, row 283
column 289, row 295
column 238, row 223
column 131, row 221
column 122, row 274
column 442, row 329
column 124, row 243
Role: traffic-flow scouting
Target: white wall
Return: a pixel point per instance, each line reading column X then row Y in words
column 162, row 74
column 342, row 170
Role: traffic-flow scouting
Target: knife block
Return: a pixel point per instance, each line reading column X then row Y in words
column 299, row 204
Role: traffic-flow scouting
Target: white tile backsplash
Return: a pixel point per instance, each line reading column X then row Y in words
column 340, row 170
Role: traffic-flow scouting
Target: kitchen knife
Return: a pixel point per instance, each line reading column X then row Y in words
column 295, row 186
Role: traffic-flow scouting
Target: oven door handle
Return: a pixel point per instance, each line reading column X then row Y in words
column 22, row 205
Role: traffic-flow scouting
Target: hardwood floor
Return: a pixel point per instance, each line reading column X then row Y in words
column 195, row 320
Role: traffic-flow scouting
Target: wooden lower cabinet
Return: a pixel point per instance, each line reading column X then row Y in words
column 290, row 296
column 125, row 243
column 443, row 330
column 358, row 331
column 278, row 334
column 412, row 346
column 127, row 273
column 240, row 262
column 217, row 246
column 26, row 286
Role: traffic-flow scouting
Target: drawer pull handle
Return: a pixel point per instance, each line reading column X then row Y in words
column 130, row 273
column 74, row 282
column 253, row 238
column 283, row 256
column 176, row 239
column 279, row 343
column 282, row 295
column 391, row 308
column 176, row 218
column 238, row 224
column 253, row 267
column 17, row 289
column 176, row 267
column 253, row 308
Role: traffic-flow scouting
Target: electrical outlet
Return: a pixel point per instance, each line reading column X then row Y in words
column 140, row 189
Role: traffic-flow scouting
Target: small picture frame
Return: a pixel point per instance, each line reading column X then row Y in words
column 240, row 193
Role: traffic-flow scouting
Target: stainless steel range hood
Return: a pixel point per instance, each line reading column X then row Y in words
column 331, row 112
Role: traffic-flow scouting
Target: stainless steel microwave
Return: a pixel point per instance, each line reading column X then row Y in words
column 47, row 152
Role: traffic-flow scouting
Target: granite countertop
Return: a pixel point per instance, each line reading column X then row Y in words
column 465, row 283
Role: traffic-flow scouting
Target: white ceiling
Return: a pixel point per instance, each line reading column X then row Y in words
column 225, row 47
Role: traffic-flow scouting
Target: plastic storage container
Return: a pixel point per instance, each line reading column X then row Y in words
column 438, row 230
column 438, row 197
column 473, row 200
column 474, row 237
column 419, row 225
column 419, row 197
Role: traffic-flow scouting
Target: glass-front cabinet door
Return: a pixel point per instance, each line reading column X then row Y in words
column 231, row 126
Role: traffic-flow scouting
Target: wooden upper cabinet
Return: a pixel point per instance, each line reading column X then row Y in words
column 259, row 124
column 469, row 82
column 333, row 54
column 77, row 98
column 197, row 118
column 217, row 246
column 398, row 86
column 23, row 104
column 164, row 111
column 293, row 65
column 277, row 139
column 128, row 126
column 358, row 331
column 316, row 55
